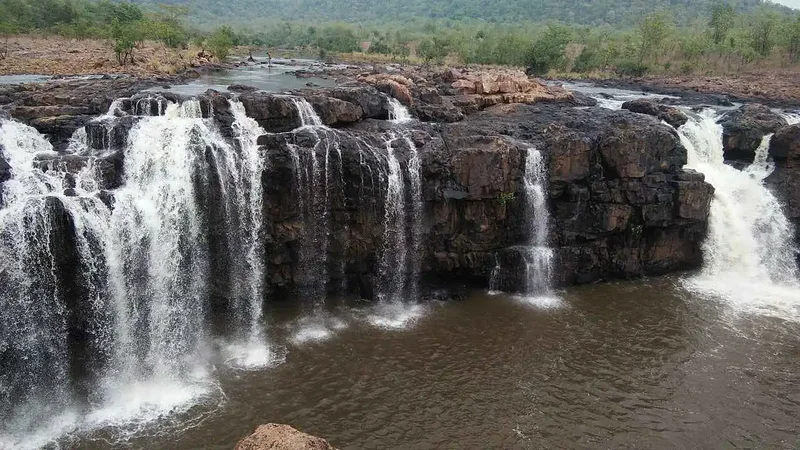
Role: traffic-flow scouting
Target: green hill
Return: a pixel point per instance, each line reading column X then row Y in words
column 583, row 12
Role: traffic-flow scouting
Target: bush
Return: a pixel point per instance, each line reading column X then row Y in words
column 632, row 69
column 221, row 41
column 548, row 51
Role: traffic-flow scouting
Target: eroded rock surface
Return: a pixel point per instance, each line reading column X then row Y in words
column 669, row 114
column 784, row 181
column 744, row 128
column 621, row 204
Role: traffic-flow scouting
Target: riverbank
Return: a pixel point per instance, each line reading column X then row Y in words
column 59, row 56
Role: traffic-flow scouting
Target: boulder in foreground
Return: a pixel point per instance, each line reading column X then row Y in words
column 274, row 436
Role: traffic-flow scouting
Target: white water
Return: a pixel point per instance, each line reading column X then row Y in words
column 308, row 117
column 397, row 112
column 143, row 273
column 538, row 255
column 749, row 254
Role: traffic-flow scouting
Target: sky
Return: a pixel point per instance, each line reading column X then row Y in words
column 791, row 3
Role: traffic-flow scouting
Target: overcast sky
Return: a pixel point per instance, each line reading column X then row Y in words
column 793, row 3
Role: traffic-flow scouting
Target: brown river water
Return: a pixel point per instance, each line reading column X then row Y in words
column 640, row 364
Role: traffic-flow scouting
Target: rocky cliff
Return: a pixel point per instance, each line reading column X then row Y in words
column 784, row 182
column 620, row 202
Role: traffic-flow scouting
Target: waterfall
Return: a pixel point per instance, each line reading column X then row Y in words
column 398, row 274
column 397, row 112
column 538, row 255
column 749, row 253
column 308, row 117
column 393, row 261
column 39, row 280
column 240, row 168
column 313, row 184
column 104, row 313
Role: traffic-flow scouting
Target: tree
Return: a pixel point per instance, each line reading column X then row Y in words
column 762, row 33
column 653, row 30
column 793, row 39
column 221, row 41
column 433, row 49
column 548, row 51
column 722, row 20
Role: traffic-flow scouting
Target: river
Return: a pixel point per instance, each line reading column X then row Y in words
column 641, row 364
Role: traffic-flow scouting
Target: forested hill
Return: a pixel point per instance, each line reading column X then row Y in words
column 584, row 12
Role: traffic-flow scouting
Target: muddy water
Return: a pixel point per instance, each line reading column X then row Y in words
column 623, row 365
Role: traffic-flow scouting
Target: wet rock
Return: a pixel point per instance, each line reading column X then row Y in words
column 744, row 129
column 5, row 167
column 241, row 88
column 274, row 113
column 274, row 436
column 109, row 134
column 333, row 111
column 784, row 147
column 669, row 114
column 784, row 181
column 396, row 90
column 373, row 103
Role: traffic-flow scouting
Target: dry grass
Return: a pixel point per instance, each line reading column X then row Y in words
column 53, row 55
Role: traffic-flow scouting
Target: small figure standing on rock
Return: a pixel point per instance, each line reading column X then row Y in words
column 251, row 59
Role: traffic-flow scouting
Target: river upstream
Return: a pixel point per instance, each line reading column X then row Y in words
column 705, row 359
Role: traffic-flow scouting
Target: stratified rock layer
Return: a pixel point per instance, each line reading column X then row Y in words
column 620, row 203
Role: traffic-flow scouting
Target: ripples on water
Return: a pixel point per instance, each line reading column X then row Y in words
column 641, row 364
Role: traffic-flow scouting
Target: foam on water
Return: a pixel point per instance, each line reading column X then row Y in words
column 316, row 327
column 395, row 315
column 749, row 253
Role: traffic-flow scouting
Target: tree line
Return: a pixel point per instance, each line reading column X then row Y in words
column 718, row 40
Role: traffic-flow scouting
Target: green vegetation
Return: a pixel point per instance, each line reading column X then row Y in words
column 546, row 36
column 616, row 13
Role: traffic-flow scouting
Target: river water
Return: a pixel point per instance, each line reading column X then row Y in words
column 641, row 364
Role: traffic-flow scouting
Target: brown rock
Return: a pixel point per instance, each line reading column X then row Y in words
column 396, row 90
column 273, row 436
column 464, row 86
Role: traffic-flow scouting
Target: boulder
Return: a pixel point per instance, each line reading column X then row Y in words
column 333, row 111
column 669, row 114
column 373, row 103
column 396, row 90
column 274, row 113
column 744, row 129
column 273, row 436
column 784, row 147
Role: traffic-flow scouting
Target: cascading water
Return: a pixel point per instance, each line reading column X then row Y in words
column 397, row 112
column 749, row 253
column 104, row 312
column 399, row 274
column 538, row 255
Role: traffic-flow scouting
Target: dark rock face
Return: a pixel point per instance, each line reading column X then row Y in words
column 109, row 135
column 784, row 181
column 59, row 108
column 744, row 129
column 620, row 203
column 669, row 114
